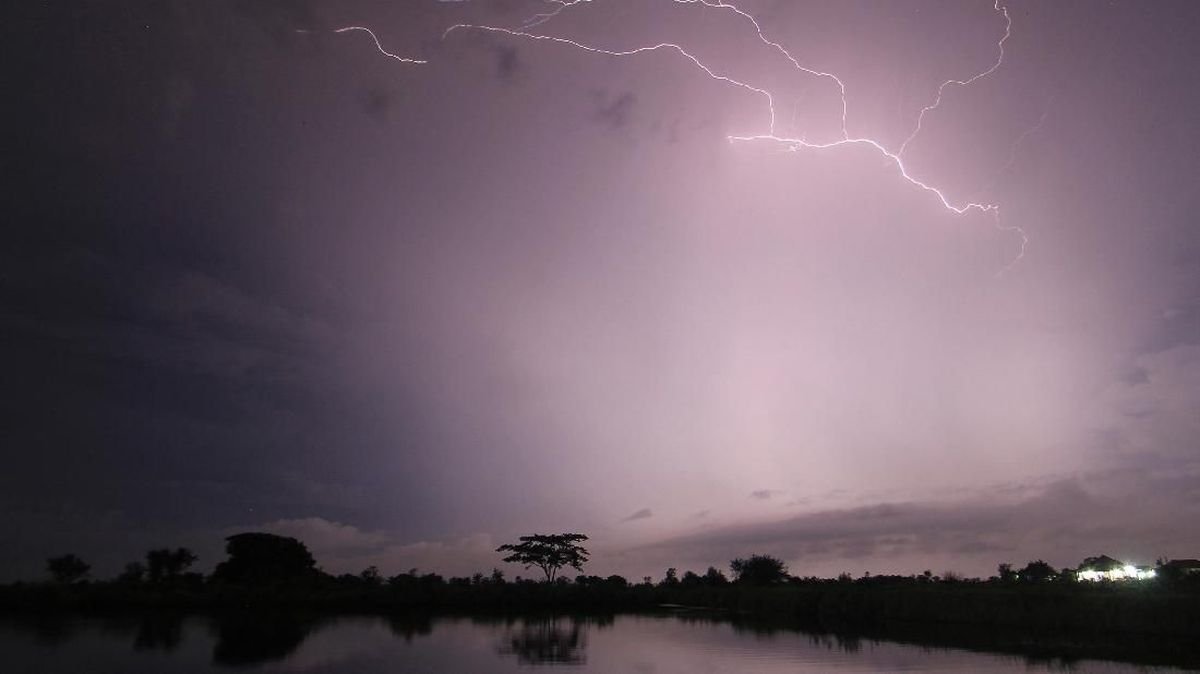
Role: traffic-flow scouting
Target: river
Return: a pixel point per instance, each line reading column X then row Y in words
column 658, row 644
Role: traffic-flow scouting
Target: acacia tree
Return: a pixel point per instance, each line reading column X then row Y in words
column 548, row 552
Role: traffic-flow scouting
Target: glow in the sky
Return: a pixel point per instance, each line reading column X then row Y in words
column 796, row 143
column 581, row 269
column 770, row 133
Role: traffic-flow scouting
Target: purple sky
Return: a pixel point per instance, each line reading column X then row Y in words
column 257, row 275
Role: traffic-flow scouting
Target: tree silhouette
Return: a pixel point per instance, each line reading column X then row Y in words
column 260, row 557
column 164, row 563
column 1037, row 572
column 548, row 552
column 1007, row 575
column 68, row 568
column 370, row 575
column 714, row 577
column 759, row 570
column 134, row 573
column 1100, row 563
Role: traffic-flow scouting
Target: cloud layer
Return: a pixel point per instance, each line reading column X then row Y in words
column 289, row 283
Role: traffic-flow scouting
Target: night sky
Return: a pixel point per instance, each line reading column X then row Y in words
column 257, row 275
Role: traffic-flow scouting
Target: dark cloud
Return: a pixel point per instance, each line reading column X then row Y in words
column 763, row 494
column 1063, row 522
column 377, row 102
column 644, row 513
column 508, row 62
column 616, row 111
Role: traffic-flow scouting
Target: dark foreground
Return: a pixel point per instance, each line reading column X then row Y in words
column 1050, row 608
column 1147, row 625
column 679, row 641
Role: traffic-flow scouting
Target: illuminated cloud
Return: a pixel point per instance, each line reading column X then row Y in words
column 531, row 285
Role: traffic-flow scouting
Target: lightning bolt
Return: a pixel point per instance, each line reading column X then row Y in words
column 670, row 46
column 1016, row 146
column 379, row 45
column 779, row 48
column 771, row 134
column 937, row 101
column 543, row 17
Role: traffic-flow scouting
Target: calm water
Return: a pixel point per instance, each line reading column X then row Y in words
column 371, row 645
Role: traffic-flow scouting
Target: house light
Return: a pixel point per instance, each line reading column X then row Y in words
column 1127, row 572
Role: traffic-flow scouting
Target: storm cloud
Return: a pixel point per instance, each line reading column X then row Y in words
column 258, row 276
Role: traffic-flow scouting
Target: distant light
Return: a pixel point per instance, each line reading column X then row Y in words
column 1127, row 572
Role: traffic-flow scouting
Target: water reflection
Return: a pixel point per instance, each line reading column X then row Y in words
column 539, row 641
column 244, row 639
column 49, row 630
column 159, row 633
column 409, row 626
column 664, row 643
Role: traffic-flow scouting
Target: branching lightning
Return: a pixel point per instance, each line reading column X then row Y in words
column 770, row 134
column 543, row 17
column 778, row 47
column 1016, row 146
column 670, row 46
column 937, row 101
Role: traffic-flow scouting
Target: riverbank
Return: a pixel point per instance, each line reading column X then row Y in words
column 1042, row 608
column 1049, row 608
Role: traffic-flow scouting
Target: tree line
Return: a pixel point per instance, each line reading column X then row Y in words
column 256, row 558
column 274, row 573
column 262, row 558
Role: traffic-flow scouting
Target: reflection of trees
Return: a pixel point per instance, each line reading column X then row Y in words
column 151, row 631
column 600, row 621
column 51, row 629
column 407, row 626
column 158, row 633
column 253, row 638
column 849, row 643
column 546, row 641
column 767, row 628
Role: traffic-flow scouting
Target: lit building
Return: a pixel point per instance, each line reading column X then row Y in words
column 1106, row 568
column 1125, row 572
